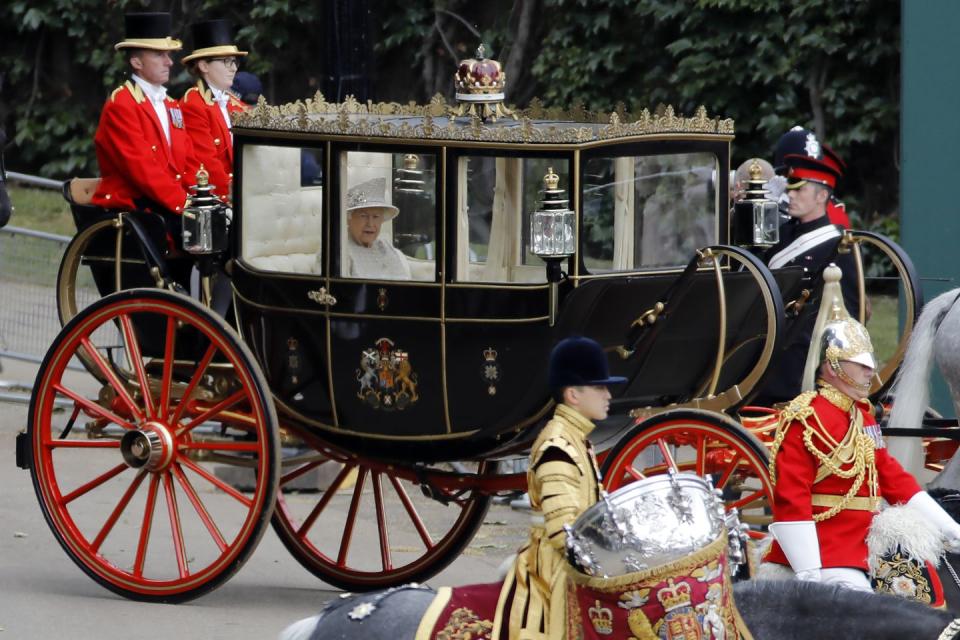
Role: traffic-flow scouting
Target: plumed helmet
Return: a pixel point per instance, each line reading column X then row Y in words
column 579, row 361
column 836, row 336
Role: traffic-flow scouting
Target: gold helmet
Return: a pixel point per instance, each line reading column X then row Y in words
column 837, row 336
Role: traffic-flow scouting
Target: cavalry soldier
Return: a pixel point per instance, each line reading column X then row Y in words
column 829, row 464
column 800, row 141
column 143, row 151
column 808, row 240
column 207, row 105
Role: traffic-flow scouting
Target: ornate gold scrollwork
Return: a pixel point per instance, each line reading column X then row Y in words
column 320, row 296
column 316, row 115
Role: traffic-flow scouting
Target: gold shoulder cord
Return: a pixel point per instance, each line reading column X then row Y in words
column 856, row 450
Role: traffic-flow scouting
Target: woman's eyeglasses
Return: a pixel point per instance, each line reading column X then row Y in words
column 229, row 63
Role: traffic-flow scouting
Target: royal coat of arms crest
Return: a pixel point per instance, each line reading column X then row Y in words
column 386, row 376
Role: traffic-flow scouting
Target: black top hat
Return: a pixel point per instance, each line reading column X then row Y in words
column 148, row 31
column 579, row 361
column 212, row 39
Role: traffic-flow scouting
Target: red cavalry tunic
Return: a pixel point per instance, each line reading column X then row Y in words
column 135, row 160
column 843, row 536
column 212, row 143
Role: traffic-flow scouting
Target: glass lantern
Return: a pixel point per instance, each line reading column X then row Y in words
column 756, row 218
column 552, row 235
column 204, row 219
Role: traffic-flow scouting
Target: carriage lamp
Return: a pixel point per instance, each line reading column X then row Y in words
column 756, row 218
column 204, row 219
column 552, row 235
column 410, row 177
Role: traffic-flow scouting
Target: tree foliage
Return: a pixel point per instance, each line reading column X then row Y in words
column 832, row 66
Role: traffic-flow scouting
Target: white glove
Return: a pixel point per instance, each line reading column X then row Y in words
column 801, row 545
column 934, row 513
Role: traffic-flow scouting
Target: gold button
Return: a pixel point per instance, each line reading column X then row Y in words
column 178, row 176
column 107, row 196
column 216, row 141
column 177, row 209
column 153, row 148
column 230, row 175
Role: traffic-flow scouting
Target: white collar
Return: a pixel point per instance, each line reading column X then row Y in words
column 219, row 95
column 154, row 92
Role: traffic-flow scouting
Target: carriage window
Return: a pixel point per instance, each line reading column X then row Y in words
column 389, row 216
column 282, row 200
column 647, row 211
column 497, row 198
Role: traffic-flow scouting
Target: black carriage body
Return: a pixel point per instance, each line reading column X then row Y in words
column 451, row 363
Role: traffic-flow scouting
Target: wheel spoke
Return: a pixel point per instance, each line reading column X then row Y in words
column 93, row 407
column 146, row 526
column 194, row 381
column 701, row 456
column 112, row 378
column 351, row 518
column 96, row 482
column 167, row 381
column 220, row 446
column 728, row 473
column 83, row 444
column 200, row 509
column 115, row 514
column 749, row 499
column 132, row 348
column 381, row 522
column 173, row 512
column 217, row 482
column 215, row 409
column 667, row 456
column 302, row 469
column 412, row 513
column 322, row 503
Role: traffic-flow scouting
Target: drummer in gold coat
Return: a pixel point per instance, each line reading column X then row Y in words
column 563, row 482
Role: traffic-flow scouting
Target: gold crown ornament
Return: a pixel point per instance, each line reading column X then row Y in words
column 480, row 84
column 601, row 618
column 675, row 595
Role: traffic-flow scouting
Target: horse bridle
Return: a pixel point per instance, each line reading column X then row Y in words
column 951, row 632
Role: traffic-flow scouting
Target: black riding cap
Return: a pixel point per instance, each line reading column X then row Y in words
column 579, row 361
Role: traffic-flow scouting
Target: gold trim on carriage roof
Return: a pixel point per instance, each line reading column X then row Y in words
column 385, row 120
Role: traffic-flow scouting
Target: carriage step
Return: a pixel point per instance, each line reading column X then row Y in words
column 23, row 450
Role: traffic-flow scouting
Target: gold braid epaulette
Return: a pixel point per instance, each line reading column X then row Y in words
column 798, row 409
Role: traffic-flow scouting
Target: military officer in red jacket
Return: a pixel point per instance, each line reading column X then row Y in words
column 829, row 465
column 207, row 105
column 142, row 147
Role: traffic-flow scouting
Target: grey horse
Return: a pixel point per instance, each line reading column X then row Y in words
column 772, row 610
column 936, row 336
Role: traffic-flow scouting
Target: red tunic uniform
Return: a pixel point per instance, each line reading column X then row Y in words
column 842, row 537
column 212, row 143
column 136, row 162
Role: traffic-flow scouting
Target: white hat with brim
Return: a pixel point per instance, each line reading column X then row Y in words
column 370, row 195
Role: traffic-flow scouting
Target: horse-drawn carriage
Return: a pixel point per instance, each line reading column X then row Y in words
column 159, row 464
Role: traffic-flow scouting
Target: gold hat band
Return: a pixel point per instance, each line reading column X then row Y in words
column 211, row 52
column 155, row 44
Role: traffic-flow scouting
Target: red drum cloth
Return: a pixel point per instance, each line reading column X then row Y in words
column 689, row 599
column 461, row 613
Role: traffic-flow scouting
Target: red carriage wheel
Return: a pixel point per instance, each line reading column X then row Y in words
column 129, row 477
column 372, row 526
column 702, row 442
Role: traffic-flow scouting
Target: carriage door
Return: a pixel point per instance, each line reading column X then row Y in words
column 385, row 325
column 496, row 325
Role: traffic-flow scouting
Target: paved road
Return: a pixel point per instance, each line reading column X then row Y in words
column 43, row 594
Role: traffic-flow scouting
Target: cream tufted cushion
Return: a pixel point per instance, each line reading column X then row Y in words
column 282, row 221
